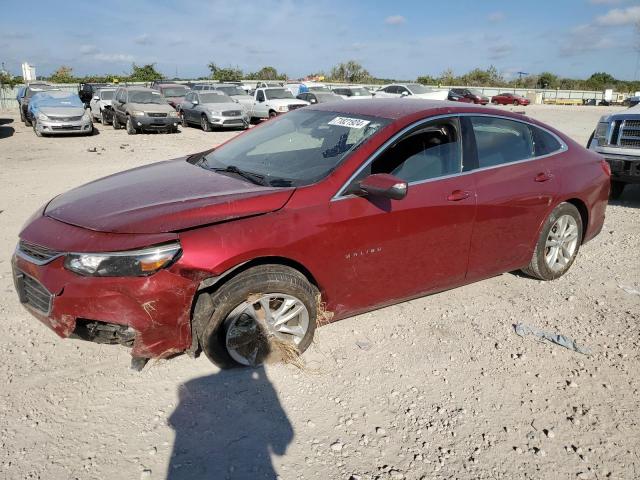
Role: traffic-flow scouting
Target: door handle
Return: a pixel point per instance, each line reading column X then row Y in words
column 543, row 177
column 458, row 195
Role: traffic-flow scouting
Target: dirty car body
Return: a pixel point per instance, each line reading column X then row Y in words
column 58, row 112
column 124, row 259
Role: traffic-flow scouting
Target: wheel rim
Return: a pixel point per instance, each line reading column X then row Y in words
column 562, row 243
column 205, row 124
column 268, row 315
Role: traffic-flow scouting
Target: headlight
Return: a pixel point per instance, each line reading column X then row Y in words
column 173, row 114
column 134, row 263
column 42, row 116
column 86, row 116
column 215, row 113
column 283, row 108
column 601, row 133
column 137, row 113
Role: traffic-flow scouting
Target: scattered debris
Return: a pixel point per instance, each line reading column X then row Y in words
column 363, row 345
column 567, row 342
column 92, row 149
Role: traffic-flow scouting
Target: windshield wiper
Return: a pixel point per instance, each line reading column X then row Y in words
column 252, row 177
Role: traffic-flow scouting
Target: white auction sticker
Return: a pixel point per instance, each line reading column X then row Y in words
column 349, row 122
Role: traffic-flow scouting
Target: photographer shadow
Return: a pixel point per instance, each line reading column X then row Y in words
column 227, row 426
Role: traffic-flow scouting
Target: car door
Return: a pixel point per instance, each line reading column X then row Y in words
column 118, row 106
column 515, row 191
column 396, row 249
column 260, row 109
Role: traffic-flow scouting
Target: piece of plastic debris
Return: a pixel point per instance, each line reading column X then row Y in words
column 629, row 290
column 566, row 342
column 363, row 345
column 138, row 363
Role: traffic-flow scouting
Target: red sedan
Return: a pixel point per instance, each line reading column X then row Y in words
column 509, row 99
column 318, row 215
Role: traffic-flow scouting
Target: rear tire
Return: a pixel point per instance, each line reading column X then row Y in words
column 616, row 189
column 516, row 103
column 272, row 114
column 561, row 233
column 183, row 120
column 494, row 102
column 115, row 122
column 221, row 315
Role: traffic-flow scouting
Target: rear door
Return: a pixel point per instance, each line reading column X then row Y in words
column 515, row 192
column 395, row 249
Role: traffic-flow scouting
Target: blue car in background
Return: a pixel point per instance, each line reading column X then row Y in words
column 56, row 112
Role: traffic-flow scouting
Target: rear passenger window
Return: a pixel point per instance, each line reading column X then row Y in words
column 544, row 142
column 501, row 141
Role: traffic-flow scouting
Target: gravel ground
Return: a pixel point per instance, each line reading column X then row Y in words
column 439, row 387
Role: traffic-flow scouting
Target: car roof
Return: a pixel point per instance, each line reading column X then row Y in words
column 398, row 108
column 171, row 85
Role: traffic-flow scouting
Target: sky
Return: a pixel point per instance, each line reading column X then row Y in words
column 401, row 39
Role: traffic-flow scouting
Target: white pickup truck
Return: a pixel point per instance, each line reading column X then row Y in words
column 617, row 139
column 270, row 102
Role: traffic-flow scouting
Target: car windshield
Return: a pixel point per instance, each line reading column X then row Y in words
column 318, row 88
column 106, row 94
column 360, row 92
column 31, row 91
column 417, row 89
column 275, row 93
column 215, row 98
column 172, row 92
column 298, row 148
column 145, row 96
column 231, row 90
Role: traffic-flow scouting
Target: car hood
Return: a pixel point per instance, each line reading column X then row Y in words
column 287, row 101
column 163, row 197
column 152, row 107
column 223, row 107
column 244, row 99
column 61, row 111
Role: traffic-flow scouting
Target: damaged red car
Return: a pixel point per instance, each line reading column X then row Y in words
column 320, row 214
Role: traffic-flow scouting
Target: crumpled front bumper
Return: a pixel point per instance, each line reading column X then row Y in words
column 157, row 307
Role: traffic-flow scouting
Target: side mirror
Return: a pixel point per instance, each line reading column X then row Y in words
column 96, row 97
column 195, row 102
column 313, row 100
column 404, row 94
column 384, row 185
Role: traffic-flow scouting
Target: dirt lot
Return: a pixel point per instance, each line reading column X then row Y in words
column 440, row 387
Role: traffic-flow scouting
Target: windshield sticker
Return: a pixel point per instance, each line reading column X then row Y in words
column 349, row 122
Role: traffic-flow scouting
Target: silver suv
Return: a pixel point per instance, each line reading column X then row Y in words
column 141, row 109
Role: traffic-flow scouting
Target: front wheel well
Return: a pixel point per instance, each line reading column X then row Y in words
column 584, row 213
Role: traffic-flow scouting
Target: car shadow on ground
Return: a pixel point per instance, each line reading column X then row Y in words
column 629, row 198
column 6, row 132
column 227, row 426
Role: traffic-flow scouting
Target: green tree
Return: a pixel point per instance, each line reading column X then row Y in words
column 428, row 80
column 8, row 81
column 266, row 73
column 63, row 74
column 349, row 72
column 600, row 81
column 144, row 73
column 229, row 74
column 547, row 80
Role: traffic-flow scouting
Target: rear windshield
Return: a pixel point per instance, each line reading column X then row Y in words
column 172, row 92
column 231, row 90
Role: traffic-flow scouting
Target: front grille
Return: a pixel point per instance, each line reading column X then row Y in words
column 293, row 107
column 66, row 119
column 237, row 121
column 78, row 127
column 630, row 134
column 157, row 115
column 33, row 293
column 37, row 252
column 232, row 113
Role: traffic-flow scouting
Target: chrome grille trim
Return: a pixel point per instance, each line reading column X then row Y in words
column 232, row 113
column 36, row 254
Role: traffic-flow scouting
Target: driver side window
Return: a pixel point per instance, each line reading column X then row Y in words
column 260, row 96
column 430, row 151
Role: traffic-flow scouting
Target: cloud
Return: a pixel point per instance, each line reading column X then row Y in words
column 88, row 49
column 496, row 52
column 496, row 17
column 619, row 16
column 395, row 20
column 585, row 38
column 114, row 57
column 143, row 39
column 605, row 2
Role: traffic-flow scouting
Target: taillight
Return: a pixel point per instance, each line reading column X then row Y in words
column 606, row 167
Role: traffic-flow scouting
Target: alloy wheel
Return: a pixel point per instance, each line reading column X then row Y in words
column 562, row 243
column 253, row 322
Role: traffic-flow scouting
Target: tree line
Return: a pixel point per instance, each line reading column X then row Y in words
column 353, row 72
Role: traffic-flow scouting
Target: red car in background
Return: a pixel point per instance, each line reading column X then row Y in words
column 317, row 215
column 509, row 99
